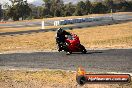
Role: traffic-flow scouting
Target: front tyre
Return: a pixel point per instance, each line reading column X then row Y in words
column 83, row 50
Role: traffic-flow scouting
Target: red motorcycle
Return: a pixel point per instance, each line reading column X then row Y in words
column 72, row 44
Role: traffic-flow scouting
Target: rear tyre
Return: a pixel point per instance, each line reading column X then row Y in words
column 68, row 53
column 66, row 49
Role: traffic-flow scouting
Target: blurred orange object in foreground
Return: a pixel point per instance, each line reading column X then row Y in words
column 81, row 71
column 82, row 77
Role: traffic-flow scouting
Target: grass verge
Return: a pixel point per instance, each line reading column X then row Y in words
column 109, row 36
column 46, row 79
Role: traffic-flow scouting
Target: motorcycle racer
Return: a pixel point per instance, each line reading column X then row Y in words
column 60, row 37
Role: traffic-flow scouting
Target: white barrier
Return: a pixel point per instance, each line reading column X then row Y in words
column 90, row 19
column 80, row 20
column 87, row 20
column 62, row 22
column 83, row 19
column 56, row 23
column 70, row 21
column 43, row 26
column 74, row 20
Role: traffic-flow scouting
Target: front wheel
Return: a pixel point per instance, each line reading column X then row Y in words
column 83, row 50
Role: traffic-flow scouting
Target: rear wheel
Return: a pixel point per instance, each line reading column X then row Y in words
column 68, row 53
column 66, row 49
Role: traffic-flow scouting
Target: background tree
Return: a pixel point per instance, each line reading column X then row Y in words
column 130, row 6
column 34, row 13
column 109, row 4
column 19, row 9
column 0, row 11
column 47, row 6
column 57, row 13
column 4, row 11
column 99, row 8
column 78, row 12
column 37, row 11
column 88, row 6
column 125, row 6
column 80, row 9
column 54, row 7
column 69, row 9
column 59, row 8
column 40, row 10
column 24, row 9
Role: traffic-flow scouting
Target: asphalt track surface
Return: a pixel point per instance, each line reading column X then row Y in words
column 119, row 60
column 113, row 60
column 118, row 17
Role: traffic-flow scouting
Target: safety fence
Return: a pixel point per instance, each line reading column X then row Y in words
column 80, row 20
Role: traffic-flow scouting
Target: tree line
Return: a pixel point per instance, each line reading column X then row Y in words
column 56, row 8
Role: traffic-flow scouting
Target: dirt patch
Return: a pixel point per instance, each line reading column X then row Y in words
column 47, row 79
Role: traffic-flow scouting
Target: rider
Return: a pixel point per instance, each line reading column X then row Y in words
column 60, row 37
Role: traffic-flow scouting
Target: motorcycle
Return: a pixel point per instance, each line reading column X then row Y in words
column 72, row 44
